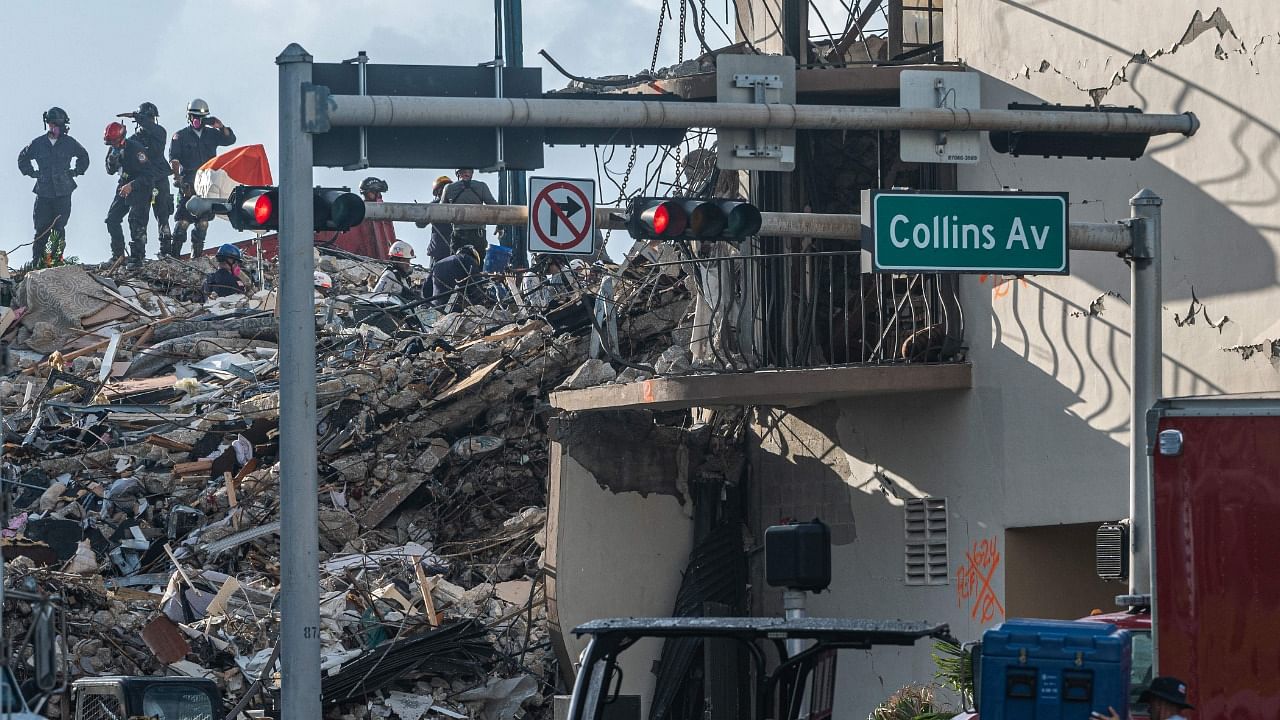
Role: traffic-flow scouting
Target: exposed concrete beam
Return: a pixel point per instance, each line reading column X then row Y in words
column 773, row 388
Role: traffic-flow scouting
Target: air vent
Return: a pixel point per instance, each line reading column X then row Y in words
column 925, row 531
column 1111, row 551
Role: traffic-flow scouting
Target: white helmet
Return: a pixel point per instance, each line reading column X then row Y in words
column 402, row 249
column 323, row 281
column 198, row 107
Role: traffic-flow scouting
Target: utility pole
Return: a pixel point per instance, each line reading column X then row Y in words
column 299, row 536
column 511, row 185
column 1146, row 373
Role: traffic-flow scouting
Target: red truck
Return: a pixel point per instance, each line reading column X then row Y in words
column 1216, row 527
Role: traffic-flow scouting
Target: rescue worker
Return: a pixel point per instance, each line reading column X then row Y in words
column 395, row 279
column 372, row 188
column 459, row 271
column 467, row 191
column 128, row 158
column 441, row 232
column 229, row 278
column 191, row 147
column 52, row 153
column 152, row 136
column 1166, row 698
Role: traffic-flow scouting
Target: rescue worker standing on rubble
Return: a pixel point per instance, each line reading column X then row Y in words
column 395, row 279
column 191, row 147
column 467, row 191
column 52, row 153
column 152, row 136
column 128, row 158
column 441, row 232
column 229, row 278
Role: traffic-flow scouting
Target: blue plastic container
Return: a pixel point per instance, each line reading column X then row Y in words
column 1053, row 670
column 497, row 258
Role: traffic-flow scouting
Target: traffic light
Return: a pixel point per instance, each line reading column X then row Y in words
column 685, row 218
column 337, row 209
column 1070, row 144
column 254, row 207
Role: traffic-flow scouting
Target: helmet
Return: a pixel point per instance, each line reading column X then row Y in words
column 443, row 180
column 459, row 171
column 402, row 249
column 373, row 184
column 322, row 280
column 113, row 134
column 198, row 107
column 148, row 109
column 56, row 116
column 228, row 251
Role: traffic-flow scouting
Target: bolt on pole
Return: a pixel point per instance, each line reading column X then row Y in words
column 1146, row 373
column 299, row 535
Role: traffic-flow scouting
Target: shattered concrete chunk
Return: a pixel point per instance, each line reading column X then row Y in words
column 590, row 373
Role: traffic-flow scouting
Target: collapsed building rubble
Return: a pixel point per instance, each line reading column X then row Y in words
column 141, row 475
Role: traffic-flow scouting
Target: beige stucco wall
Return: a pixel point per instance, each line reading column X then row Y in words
column 1042, row 437
column 613, row 555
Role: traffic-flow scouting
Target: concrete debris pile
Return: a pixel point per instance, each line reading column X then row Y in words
column 141, row 476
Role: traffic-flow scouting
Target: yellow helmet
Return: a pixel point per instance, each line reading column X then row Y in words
column 443, row 180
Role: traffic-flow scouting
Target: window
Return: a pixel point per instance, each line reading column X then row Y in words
column 176, row 702
column 925, row 528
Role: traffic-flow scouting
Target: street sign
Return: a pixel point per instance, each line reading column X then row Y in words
column 1012, row 233
column 562, row 215
column 955, row 90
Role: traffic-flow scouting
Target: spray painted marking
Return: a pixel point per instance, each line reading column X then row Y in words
column 973, row 581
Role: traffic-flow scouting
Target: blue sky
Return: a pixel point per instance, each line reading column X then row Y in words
column 96, row 59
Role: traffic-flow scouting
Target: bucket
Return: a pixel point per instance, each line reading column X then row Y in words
column 497, row 259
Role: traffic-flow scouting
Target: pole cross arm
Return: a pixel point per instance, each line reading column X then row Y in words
column 324, row 110
column 1102, row 237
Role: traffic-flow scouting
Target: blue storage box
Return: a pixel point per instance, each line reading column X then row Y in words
column 1053, row 670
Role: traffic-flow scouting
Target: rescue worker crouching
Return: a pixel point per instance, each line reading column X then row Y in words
column 48, row 159
column 128, row 158
column 395, row 279
column 229, row 278
column 152, row 136
column 191, row 147
column 457, row 277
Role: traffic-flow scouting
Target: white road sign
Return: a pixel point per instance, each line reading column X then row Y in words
column 562, row 215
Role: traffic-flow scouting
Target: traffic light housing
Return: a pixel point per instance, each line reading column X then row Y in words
column 254, row 207
column 337, row 209
column 687, row 218
column 1070, row 144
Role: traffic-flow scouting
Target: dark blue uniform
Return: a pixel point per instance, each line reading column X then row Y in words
column 136, row 171
column 55, row 182
column 152, row 136
column 191, row 149
column 456, row 272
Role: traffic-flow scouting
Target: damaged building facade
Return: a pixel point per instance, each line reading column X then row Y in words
column 963, row 437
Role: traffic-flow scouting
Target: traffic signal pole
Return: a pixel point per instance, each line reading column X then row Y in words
column 299, row 535
column 385, row 111
column 1105, row 237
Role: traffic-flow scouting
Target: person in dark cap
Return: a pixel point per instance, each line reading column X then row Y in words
column 1166, row 698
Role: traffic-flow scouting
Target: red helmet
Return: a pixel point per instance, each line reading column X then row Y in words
column 113, row 134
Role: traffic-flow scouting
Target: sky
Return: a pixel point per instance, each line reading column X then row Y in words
column 97, row 59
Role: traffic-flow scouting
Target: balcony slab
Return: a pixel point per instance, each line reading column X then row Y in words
column 774, row 388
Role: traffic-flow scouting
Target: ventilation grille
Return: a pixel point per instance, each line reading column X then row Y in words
column 1111, row 551
column 925, row 527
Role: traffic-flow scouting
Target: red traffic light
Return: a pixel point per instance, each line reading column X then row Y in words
column 253, row 207
column 691, row 219
column 263, row 209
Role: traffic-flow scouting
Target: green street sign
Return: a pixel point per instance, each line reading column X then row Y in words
column 1010, row 233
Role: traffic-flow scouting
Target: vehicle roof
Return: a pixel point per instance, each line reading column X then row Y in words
column 1253, row 403
column 1125, row 620
column 829, row 630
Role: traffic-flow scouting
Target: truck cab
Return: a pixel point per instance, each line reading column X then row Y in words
column 162, row 698
column 1138, row 622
